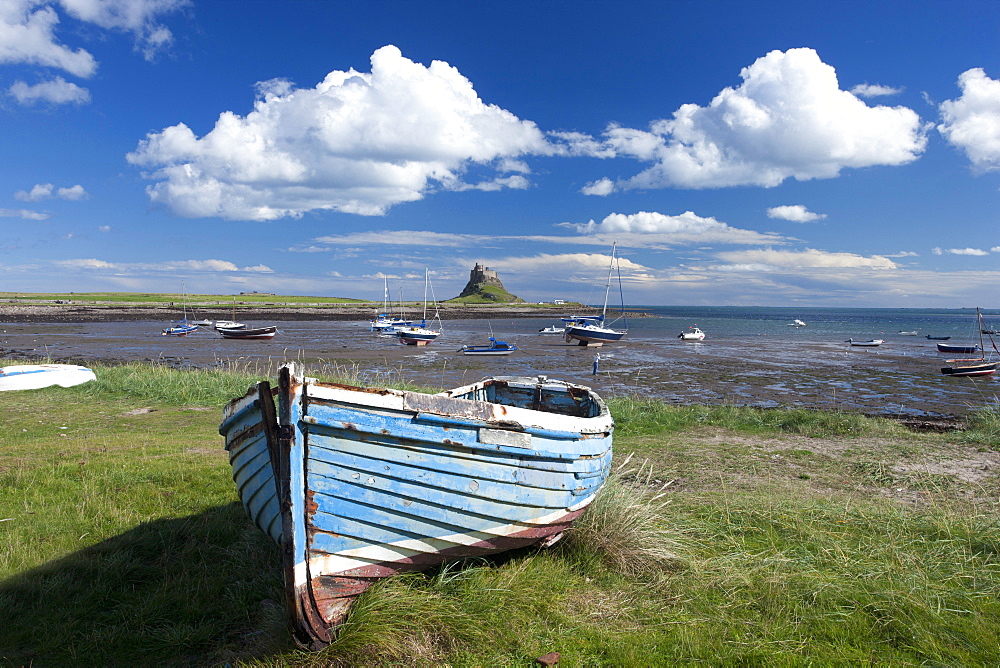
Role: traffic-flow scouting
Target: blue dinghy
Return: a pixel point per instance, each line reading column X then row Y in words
column 495, row 348
column 361, row 483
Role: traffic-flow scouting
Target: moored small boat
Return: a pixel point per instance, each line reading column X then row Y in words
column 496, row 347
column 416, row 336
column 181, row 328
column 692, row 334
column 358, row 484
column 266, row 332
column 870, row 343
column 552, row 329
column 958, row 348
column 976, row 368
column 937, row 338
column 593, row 330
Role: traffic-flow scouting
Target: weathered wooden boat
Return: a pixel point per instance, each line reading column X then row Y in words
column 869, row 343
column 266, row 332
column 358, row 484
column 35, row 376
column 495, row 348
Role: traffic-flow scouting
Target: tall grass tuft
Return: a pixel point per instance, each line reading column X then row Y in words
column 625, row 527
column 984, row 427
column 412, row 619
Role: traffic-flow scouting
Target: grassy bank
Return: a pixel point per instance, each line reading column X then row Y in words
column 730, row 536
column 163, row 298
column 490, row 298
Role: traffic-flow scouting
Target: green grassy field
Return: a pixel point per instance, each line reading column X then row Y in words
column 156, row 299
column 730, row 536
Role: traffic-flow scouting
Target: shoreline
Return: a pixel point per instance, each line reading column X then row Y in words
column 69, row 313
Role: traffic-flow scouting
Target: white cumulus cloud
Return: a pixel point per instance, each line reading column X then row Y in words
column 42, row 191
column 809, row 258
column 72, row 193
column 795, row 213
column 27, row 35
column 28, row 32
column 600, row 187
column 788, row 119
column 55, row 91
column 357, row 142
column 875, row 90
column 684, row 228
column 972, row 122
column 139, row 17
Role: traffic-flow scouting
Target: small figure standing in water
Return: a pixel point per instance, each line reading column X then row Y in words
column 597, row 362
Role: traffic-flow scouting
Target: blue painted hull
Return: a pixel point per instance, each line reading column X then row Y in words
column 367, row 483
column 585, row 334
column 179, row 330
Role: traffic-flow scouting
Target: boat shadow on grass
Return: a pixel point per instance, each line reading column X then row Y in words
column 203, row 589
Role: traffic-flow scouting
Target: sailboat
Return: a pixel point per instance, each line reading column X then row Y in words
column 974, row 366
column 384, row 323
column 420, row 336
column 590, row 330
column 181, row 327
column 239, row 330
column 230, row 324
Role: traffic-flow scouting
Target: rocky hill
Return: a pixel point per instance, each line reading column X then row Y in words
column 485, row 287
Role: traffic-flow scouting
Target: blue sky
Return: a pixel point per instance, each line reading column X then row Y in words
column 744, row 153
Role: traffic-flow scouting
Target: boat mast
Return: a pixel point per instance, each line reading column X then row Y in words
column 607, row 287
column 979, row 323
column 424, row 323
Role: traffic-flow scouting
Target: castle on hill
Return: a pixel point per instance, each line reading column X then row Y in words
column 485, row 284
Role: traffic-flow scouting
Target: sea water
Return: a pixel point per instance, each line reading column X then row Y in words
column 750, row 356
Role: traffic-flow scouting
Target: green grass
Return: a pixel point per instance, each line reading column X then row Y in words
column 731, row 536
column 488, row 294
column 156, row 298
